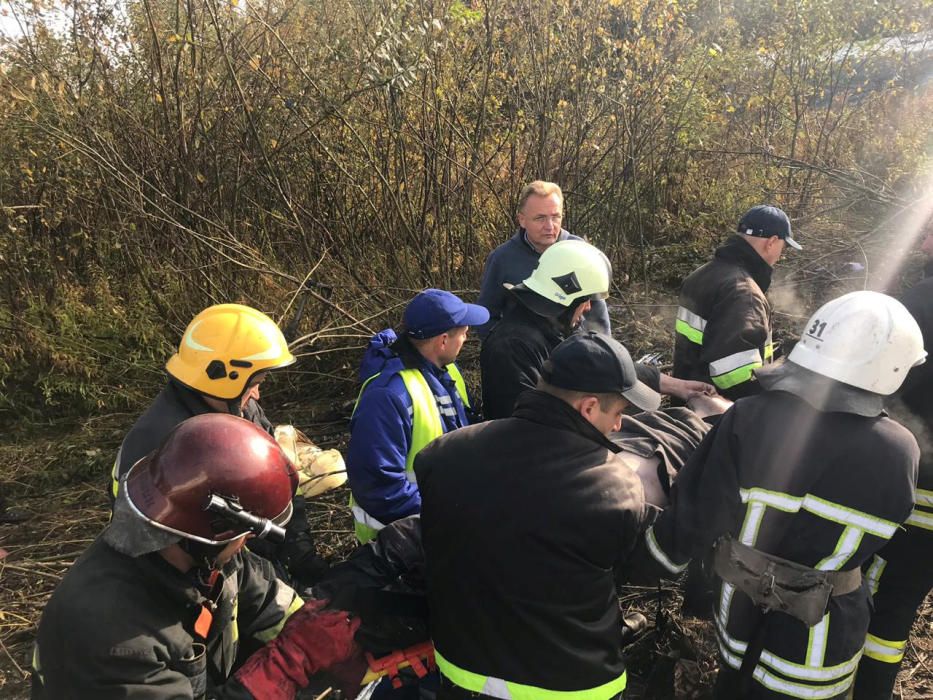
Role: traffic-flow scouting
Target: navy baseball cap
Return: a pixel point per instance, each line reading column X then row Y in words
column 435, row 311
column 595, row 363
column 765, row 221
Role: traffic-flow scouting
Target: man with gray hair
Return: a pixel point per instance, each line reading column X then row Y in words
column 540, row 212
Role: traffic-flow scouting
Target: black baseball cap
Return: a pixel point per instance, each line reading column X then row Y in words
column 765, row 221
column 595, row 363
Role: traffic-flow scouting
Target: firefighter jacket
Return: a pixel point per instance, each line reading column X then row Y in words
column 514, row 352
column 823, row 489
column 723, row 327
column 524, row 522
column 177, row 403
column 405, row 403
column 901, row 574
column 125, row 627
column 513, row 262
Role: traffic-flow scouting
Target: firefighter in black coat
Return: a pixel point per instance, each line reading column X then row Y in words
column 723, row 326
column 224, row 355
column 901, row 574
column 793, row 491
column 526, row 522
column 166, row 599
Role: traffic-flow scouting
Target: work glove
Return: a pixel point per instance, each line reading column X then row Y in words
column 313, row 640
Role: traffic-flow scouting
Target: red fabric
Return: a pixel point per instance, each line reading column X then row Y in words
column 311, row 641
column 348, row 675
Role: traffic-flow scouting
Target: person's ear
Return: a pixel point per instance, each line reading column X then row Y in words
column 588, row 405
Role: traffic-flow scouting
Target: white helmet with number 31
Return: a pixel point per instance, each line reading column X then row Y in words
column 864, row 339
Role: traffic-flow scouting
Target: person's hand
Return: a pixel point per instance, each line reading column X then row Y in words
column 705, row 406
column 348, row 675
column 324, row 636
column 313, row 640
column 685, row 389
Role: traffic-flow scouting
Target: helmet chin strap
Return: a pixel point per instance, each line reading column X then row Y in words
column 565, row 319
column 204, row 555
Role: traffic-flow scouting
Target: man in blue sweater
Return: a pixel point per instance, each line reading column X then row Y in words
column 540, row 212
column 412, row 393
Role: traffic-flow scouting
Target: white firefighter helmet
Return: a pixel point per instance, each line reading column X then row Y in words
column 864, row 339
column 569, row 270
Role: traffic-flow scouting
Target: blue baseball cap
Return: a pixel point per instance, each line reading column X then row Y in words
column 435, row 311
column 765, row 221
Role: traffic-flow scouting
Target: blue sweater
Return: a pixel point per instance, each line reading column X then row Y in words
column 380, row 430
column 513, row 262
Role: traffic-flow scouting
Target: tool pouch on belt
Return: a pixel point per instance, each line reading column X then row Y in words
column 774, row 583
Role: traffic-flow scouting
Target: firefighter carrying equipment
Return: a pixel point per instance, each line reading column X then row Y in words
column 225, row 347
column 567, row 271
column 319, row 471
column 212, row 454
column 864, row 339
column 777, row 584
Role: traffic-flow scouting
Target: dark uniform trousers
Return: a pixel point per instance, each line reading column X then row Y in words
column 901, row 576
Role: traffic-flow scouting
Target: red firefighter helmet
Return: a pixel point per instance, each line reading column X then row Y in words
column 215, row 478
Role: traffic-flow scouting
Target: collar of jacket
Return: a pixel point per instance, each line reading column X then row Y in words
column 412, row 359
column 540, row 407
column 737, row 251
column 192, row 400
column 517, row 309
column 521, row 235
column 824, row 394
column 175, row 585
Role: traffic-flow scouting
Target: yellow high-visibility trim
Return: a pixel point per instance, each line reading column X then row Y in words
column 691, row 334
column 271, row 633
column 426, row 425
column 734, row 369
column 884, row 650
column 509, row 690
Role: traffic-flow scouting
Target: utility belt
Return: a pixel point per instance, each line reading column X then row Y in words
column 776, row 584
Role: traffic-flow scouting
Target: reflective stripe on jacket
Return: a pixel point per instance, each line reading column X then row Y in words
column 723, row 325
column 507, row 690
